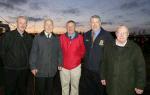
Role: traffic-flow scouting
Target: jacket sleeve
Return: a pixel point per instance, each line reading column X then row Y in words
column 34, row 54
column 82, row 47
column 140, row 73
column 3, row 46
column 103, row 70
column 6, row 44
column 59, row 53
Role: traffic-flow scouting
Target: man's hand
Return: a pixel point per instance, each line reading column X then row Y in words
column 138, row 91
column 34, row 72
column 103, row 82
column 60, row 68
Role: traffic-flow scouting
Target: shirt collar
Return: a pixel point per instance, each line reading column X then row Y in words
column 71, row 35
column 96, row 33
column 47, row 34
column 119, row 44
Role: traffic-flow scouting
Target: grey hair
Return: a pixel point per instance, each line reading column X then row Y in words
column 48, row 19
column 71, row 21
column 96, row 16
column 23, row 17
column 124, row 26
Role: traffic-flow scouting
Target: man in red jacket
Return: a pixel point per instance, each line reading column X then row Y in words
column 73, row 51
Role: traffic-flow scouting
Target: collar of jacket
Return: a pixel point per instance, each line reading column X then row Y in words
column 18, row 34
column 100, row 33
column 42, row 34
column 76, row 35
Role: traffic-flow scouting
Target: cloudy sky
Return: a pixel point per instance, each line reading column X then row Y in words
column 133, row 13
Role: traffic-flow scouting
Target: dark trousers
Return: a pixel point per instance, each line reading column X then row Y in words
column 16, row 82
column 90, row 83
column 44, row 85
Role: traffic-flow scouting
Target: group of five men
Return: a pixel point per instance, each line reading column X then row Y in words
column 117, row 64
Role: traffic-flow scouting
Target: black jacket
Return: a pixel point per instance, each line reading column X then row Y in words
column 15, row 50
column 123, row 68
column 94, row 50
column 45, row 55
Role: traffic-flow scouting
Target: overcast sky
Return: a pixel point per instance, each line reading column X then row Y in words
column 133, row 13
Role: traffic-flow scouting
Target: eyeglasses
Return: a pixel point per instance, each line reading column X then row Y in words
column 122, row 33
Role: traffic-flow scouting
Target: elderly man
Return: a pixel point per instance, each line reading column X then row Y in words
column 123, row 68
column 45, row 58
column 16, row 47
column 94, row 40
column 73, row 51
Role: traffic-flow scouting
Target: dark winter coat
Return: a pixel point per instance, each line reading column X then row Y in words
column 15, row 50
column 123, row 69
column 45, row 55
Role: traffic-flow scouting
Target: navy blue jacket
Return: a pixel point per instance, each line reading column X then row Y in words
column 94, row 50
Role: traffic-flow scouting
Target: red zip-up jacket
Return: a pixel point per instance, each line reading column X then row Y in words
column 73, row 50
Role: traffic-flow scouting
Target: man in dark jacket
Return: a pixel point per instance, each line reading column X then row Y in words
column 15, row 52
column 123, row 68
column 45, row 58
column 94, row 41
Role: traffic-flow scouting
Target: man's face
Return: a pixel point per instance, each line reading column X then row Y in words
column 21, row 24
column 70, row 27
column 95, row 24
column 48, row 26
column 122, row 34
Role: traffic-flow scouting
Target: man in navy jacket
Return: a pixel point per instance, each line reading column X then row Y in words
column 94, row 41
